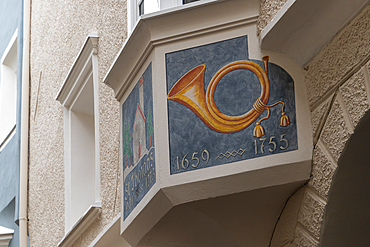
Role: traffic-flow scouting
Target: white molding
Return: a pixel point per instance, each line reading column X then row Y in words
column 67, row 169
column 83, row 71
column 6, row 235
column 81, row 225
column 164, row 7
column 81, row 82
column 79, row 68
column 180, row 8
column 3, row 64
column 301, row 28
column 9, row 46
column 95, row 75
column 8, row 138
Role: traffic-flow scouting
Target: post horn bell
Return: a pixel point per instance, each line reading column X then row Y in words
column 189, row 91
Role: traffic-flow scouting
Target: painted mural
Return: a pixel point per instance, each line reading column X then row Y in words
column 139, row 173
column 224, row 107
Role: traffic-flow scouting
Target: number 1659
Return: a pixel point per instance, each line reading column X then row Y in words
column 194, row 162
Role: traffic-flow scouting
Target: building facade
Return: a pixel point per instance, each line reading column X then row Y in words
column 54, row 50
column 11, row 46
column 208, row 123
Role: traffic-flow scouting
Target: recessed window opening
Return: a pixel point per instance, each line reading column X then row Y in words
column 138, row 8
column 147, row 6
column 141, row 7
column 82, row 148
column 79, row 97
column 8, row 91
column 189, row 1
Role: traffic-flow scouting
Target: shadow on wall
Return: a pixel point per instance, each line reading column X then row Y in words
column 347, row 214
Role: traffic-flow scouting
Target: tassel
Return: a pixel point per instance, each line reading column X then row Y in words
column 284, row 120
column 258, row 131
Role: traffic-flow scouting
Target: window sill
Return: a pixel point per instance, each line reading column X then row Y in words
column 6, row 235
column 81, row 225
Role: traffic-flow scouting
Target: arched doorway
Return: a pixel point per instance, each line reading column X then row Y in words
column 347, row 215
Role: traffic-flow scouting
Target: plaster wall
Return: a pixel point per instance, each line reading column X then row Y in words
column 338, row 86
column 59, row 29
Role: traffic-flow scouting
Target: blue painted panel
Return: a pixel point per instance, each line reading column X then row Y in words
column 139, row 181
column 138, row 143
column 199, row 139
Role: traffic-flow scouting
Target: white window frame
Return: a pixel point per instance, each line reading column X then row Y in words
column 79, row 97
column 149, row 7
column 8, row 89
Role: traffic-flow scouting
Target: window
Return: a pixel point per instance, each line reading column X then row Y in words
column 8, row 91
column 79, row 97
column 81, row 125
column 141, row 7
column 188, row 1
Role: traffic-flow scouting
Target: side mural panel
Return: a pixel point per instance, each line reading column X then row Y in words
column 224, row 107
column 138, row 143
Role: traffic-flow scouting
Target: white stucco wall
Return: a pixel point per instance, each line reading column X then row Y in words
column 59, row 29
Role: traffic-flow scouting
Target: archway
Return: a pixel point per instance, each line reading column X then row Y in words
column 347, row 215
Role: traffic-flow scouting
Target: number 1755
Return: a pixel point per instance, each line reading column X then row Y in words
column 272, row 145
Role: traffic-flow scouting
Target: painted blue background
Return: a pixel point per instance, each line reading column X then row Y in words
column 135, row 185
column 128, row 114
column 11, row 18
column 235, row 95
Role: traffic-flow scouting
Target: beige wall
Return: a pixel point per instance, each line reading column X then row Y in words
column 338, row 86
column 59, row 29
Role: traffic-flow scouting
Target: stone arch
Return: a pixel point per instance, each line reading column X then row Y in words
column 346, row 220
column 334, row 122
column 338, row 86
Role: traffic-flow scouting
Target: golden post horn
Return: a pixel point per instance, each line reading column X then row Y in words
column 189, row 91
